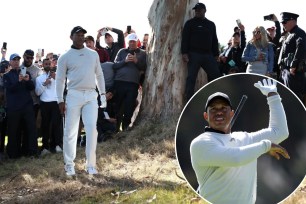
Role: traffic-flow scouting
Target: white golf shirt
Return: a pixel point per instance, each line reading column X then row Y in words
column 226, row 164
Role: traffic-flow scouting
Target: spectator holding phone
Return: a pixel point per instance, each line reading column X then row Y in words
column 19, row 109
column 129, row 64
column 259, row 53
column 34, row 71
column 50, row 114
column 230, row 59
column 112, row 47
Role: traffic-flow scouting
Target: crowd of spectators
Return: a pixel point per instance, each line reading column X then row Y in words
column 29, row 107
column 272, row 51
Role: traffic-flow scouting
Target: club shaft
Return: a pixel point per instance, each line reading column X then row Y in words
column 240, row 105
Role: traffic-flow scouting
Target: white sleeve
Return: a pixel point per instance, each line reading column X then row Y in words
column 39, row 88
column 210, row 152
column 99, row 76
column 60, row 78
column 277, row 130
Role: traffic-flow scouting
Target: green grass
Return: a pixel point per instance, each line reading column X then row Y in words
column 176, row 195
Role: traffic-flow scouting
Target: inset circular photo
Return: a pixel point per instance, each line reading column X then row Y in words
column 242, row 139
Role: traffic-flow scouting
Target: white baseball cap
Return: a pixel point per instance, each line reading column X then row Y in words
column 132, row 36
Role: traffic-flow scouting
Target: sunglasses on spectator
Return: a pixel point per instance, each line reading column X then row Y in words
column 29, row 58
column 256, row 32
column 284, row 22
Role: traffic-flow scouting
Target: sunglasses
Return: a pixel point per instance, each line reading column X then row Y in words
column 29, row 58
column 284, row 22
column 256, row 32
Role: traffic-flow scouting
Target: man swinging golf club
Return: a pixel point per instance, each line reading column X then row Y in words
column 225, row 162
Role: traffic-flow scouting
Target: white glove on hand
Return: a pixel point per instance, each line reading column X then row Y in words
column 267, row 86
column 103, row 101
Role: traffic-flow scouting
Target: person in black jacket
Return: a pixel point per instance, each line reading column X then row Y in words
column 199, row 48
column 129, row 64
column 274, row 35
column 230, row 59
column 18, row 89
column 293, row 55
column 112, row 47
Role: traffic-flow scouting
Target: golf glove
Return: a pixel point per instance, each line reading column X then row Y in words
column 103, row 101
column 266, row 86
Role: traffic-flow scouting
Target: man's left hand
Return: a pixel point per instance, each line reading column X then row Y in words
column 103, row 101
column 276, row 151
column 266, row 86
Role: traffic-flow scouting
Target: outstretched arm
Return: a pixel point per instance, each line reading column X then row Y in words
column 277, row 130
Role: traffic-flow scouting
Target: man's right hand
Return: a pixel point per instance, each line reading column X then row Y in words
column 62, row 108
column 185, row 57
column 277, row 150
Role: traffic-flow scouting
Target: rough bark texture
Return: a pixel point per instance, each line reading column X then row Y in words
column 166, row 74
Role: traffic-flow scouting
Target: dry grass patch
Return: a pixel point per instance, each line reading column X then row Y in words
column 138, row 166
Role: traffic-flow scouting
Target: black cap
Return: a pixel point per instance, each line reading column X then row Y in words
column 107, row 34
column 286, row 16
column 89, row 37
column 77, row 29
column 199, row 6
column 29, row 52
column 219, row 95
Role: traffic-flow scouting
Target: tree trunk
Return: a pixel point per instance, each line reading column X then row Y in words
column 166, row 74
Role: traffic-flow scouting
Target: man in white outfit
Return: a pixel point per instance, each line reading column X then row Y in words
column 225, row 162
column 81, row 66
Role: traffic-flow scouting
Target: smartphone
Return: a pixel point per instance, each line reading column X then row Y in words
column 103, row 31
column 132, row 52
column 23, row 71
column 128, row 29
column 4, row 46
column 40, row 52
column 268, row 17
column 238, row 21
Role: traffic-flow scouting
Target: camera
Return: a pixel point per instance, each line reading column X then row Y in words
column 238, row 21
column 268, row 17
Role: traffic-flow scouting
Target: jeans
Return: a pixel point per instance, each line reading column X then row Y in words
column 80, row 103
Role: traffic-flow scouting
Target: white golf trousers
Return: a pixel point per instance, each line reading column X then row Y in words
column 80, row 103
